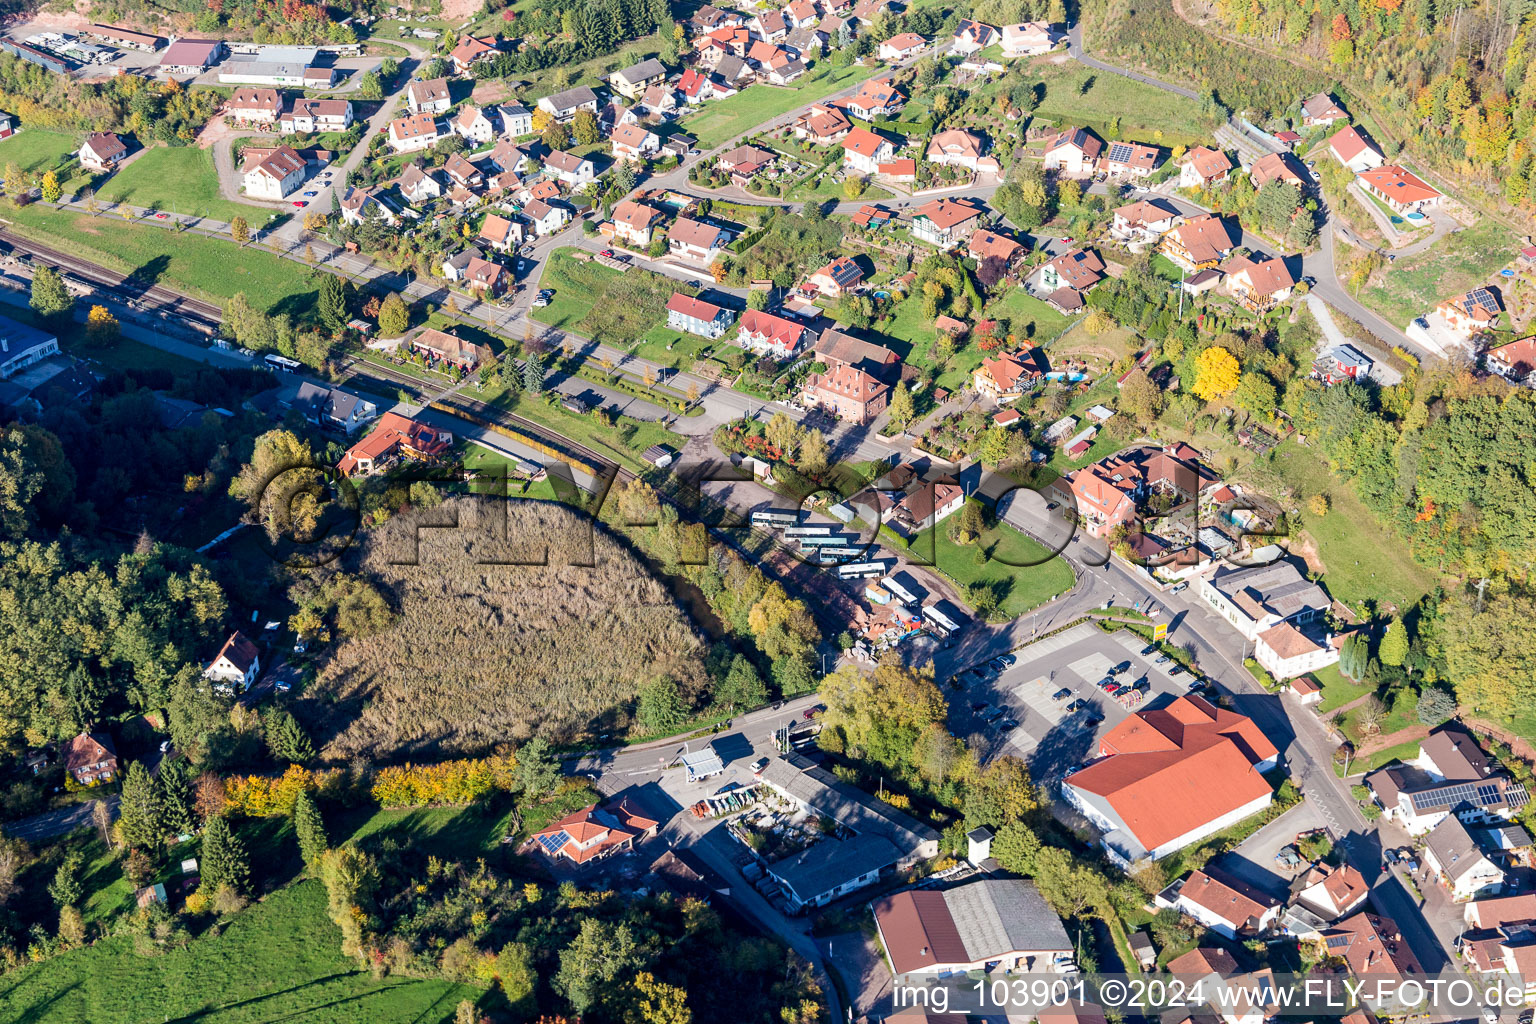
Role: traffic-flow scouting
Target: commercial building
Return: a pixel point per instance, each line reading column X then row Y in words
column 994, row 924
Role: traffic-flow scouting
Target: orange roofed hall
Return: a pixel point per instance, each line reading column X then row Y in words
column 1171, row 776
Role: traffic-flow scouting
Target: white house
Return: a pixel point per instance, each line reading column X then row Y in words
column 902, row 47
column 563, row 106
column 516, row 119
column 1028, row 39
column 305, row 115
column 418, row 185
column 474, row 124
column 236, row 666
column 101, row 151
column 633, row 142
column 696, row 240
column 1226, row 905
column 545, row 217
column 971, row 36
column 864, row 151
column 1255, row 598
column 1464, row 869
column 1287, row 651
column 276, row 175
column 570, row 170
column 1145, row 220
column 1073, row 151
column 429, row 97
column 413, row 133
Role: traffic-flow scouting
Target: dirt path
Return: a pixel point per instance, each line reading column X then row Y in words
column 1520, row 746
column 1392, row 739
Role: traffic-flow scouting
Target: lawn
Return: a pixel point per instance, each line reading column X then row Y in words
column 603, row 304
column 279, row 960
column 578, row 287
column 1078, row 95
column 1412, row 286
column 1360, row 563
column 1021, row 572
column 1337, row 690
column 589, row 431
column 723, row 120
column 1031, row 317
column 676, row 349
column 179, row 179
column 204, row 267
column 36, row 150
column 483, row 459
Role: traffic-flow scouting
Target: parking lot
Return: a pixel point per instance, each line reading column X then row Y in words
column 1050, row 697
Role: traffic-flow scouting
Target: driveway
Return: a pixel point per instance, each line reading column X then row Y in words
column 1381, row 372
column 1254, row 860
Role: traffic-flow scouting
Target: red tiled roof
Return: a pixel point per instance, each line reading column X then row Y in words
column 1208, row 163
column 690, row 306
column 1351, row 142
column 1398, row 184
column 947, row 213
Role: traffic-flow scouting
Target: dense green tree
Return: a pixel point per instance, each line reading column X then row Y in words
column 309, row 829
column 51, row 299
column 176, row 801
column 286, row 738
column 742, row 687
column 141, row 820
column 331, row 305
column 599, row 955
column 661, row 706
column 1393, row 648
column 1014, row 847
column 224, row 861
column 537, row 769
column 66, row 888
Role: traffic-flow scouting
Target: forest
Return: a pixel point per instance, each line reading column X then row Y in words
column 152, row 111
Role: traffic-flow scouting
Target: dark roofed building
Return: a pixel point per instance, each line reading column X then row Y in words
column 994, row 923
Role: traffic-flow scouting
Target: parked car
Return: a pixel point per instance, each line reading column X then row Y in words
column 1008, row 723
column 1062, row 694
column 1179, row 588
column 995, row 714
column 980, row 706
column 759, row 765
column 1149, row 649
column 1077, row 705
column 1163, row 659
column 1008, row 660
column 1176, row 670
column 606, row 254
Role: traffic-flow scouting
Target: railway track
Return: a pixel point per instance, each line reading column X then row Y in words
column 122, row 285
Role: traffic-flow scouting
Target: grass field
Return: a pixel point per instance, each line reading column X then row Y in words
column 684, row 348
column 603, row 304
column 205, row 267
column 279, row 960
column 589, row 431
column 478, row 457
column 1413, row 285
column 1081, row 96
column 1019, row 585
column 36, row 150
column 1337, row 690
column 578, row 287
column 181, row 179
column 1359, row 566
column 722, row 120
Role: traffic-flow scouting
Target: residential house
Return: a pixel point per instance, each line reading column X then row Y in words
column 767, row 334
column 1074, row 151
column 1356, row 150
column 854, row 387
column 659, row 100
column 449, row 349
column 428, row 97
column 1254, row 598
column 801, row 14
column 91, row 758
column 769, row 27
column 1204, row 167
column 592, row 833
column 1515, row 362
column 1418, row 801
column 1171, row 776
column 455, row 267
column 486, row 278
column 1008, row 377
column 275, row 175
column 822, row 125
column 102, row 152
column 1260, row 284
column 418, row 185
column 1371, row 945
column 864, row 151
column 1000, row 924
column 631, row 82
column 305, row 115
column 1331, row 892
column 1105, row 495
column 1341, row 364
column 925, row 506
column 570, row 170
column 1145, row 220
column 696, row 240
column 474, row 124
column 500, row 233
column 984, row 245
column 1278, row 167
column 1129, row 160
column 516, row 119
column 462, row 172
column 1028, row 39
column 696, row 87
column 254, row 106
column 470, row 51
column 632, row 142
column 946, row 223
column 333, row 408
column 836, row 278
column 876, row 98
column 1077, row 271
column 1463, row 868
column 563, row 106
column 695, row 316
column 783, row 72
column 358, row 205
column 902, row 47
column 632, row 222
column 1200, row 243
column 546, row 218
column 956, row 148
column 413, row 133
column 1471, row 313
column 971, row 36
column 1287, row 650
column 1323, row 110
column 744, row 163
column 1399, row 188
column 236, row 666
column 1225, row 905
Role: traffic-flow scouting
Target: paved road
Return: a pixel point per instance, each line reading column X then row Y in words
column 57, row 823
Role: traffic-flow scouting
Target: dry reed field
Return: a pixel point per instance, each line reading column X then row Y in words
column 484, row 653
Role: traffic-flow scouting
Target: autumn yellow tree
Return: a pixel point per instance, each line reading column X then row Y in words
column 1216, row 373
column 101, row 327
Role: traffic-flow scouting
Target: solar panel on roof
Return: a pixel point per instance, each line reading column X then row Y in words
column 553, row 843
column 1119, row 152
column 1338, row 940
